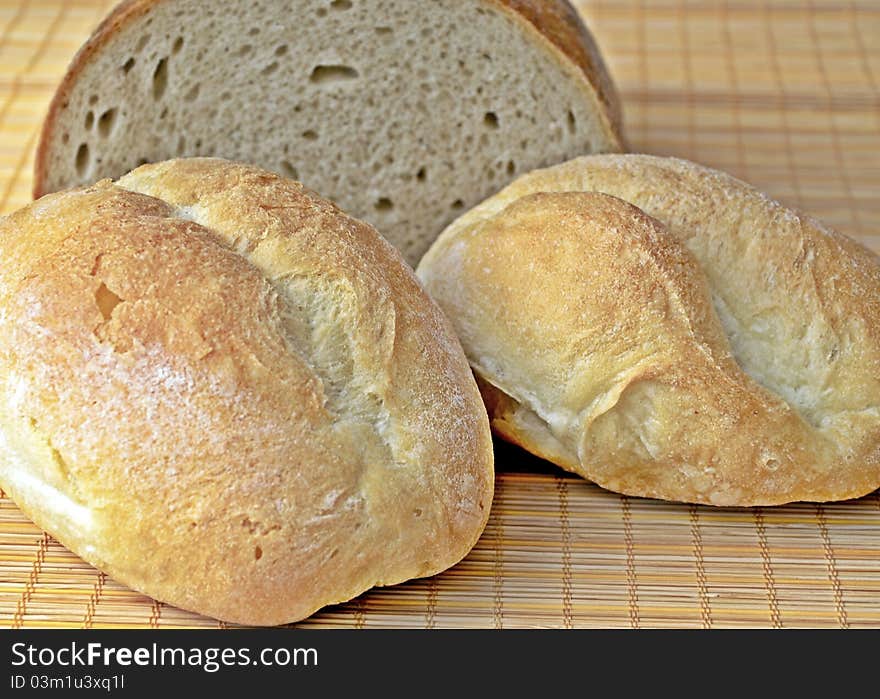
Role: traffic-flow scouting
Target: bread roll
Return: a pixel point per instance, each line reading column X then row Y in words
column 710, row 346
column 404, row 113
column 229, row 395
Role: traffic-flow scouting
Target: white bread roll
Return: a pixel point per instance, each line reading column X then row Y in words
column 709, row 346
column 404, row 113
column 231, row 396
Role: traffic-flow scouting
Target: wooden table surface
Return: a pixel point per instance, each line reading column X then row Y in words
column 781, row 93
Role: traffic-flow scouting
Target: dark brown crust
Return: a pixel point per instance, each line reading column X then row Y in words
column 556, row 20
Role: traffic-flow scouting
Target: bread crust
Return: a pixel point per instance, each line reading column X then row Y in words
column 561, row 24
column 553, row 22
column 231, row 396
column 709, row 346
column 121, row 15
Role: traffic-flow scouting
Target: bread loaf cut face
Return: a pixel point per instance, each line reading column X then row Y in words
column 403, row 113
column 231, row 396
column 667, row 331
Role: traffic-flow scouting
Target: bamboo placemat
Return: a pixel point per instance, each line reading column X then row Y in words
column 785, row 94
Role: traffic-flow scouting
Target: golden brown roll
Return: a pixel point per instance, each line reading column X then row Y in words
column 231, row 396
column 709, row 346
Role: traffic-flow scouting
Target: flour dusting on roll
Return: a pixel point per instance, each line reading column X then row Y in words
column 226, row 393
column 667, row 331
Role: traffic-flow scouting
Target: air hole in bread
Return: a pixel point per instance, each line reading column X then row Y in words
column 82, row 159
column 289, row 170
column 193, row 93
column 511, row 167
column 106, row 301
column 330, row 74
column 383, row 31
column 128, row 65
column 384, row 204
column 422, row 174
column 142, row 161
column 281, row 50
column 572, row 122
column 457, row 205
column 177, row 45
column 340, row 5
column 490, row 120
column 106, row 122
column 142, row 43
column 258, row 553
column 181, row 144
column 65, row 138
column 160, row 79
column 244, row 50
column 253, row 31
column 271, row 68
column 90, row 120
column 417, row 512
column 310, row 135
column 164, row 113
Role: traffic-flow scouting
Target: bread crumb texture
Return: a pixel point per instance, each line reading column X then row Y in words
column 667, row 331
column 403, row 113
column 231, row 396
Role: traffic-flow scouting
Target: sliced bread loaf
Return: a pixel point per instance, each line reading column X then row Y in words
column 404, row 113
